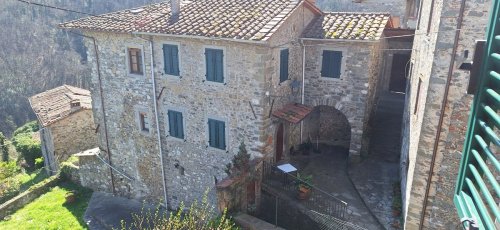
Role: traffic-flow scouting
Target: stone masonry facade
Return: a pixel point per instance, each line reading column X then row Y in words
column 244, row 101
column 424, row 104
column 68, row 136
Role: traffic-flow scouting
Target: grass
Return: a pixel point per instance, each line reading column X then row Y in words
column 22, row 182
column 50, row 211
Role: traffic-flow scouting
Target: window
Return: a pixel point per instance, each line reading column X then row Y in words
column 217, row 134
column 135, row 60
column 175, row 124
column 284, row 65
column 143, row 119
column 332, row 63
column 214, row 65
column 171, row 59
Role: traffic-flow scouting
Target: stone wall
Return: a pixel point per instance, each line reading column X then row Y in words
column 353, row 92
column 26, row 197
column 328, row 125
column 68, row 136
column 422, row 115
column 93, row 172
column 287, row 36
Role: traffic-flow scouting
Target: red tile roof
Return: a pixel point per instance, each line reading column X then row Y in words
column 55, row 104
column 293, row 113
column 236, row 19
column 351, row 26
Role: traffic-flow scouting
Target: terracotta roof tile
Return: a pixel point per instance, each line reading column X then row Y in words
column 293, row 113
column 236, row 19
column 55, row 104
column 350, row 26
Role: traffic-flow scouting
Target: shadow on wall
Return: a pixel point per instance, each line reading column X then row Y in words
column 327, row 125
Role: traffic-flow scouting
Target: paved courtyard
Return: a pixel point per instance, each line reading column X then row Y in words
column 329, row 170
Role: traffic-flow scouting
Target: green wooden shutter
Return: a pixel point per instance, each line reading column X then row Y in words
column 219, row 66
column 222, row 135
column 332, row 64
column 167, row 54
column 336, row 63
column 171, row 59
column 171, row 123
column 284, row 65
column 180, row 125
column 211, row 132
column 477, row 191
column 217, row 134
column 209, row 56
column 325, row 64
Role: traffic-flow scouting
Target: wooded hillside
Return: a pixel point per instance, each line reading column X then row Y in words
column 35, row 55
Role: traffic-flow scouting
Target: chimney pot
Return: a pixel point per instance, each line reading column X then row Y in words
column 175, row 7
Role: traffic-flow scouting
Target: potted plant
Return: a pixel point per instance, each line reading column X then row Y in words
column 304, row 186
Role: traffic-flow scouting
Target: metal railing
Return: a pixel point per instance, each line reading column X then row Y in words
column 319, row 200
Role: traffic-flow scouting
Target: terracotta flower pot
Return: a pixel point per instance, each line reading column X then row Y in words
column 70, row 198
column 304, row 193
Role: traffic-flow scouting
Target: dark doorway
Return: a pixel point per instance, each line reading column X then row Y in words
column 279, row 143
column 399, row 71
column 251, row 193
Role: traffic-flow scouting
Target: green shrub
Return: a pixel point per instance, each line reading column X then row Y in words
column 39, row 162
column 29, row 127
column 4, row 149
column 198, row 217
column 8, row 169
column 28, row 147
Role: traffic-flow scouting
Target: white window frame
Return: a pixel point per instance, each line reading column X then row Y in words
column 127, row 57
column 167, row 124
column 343, row 69
column 138, row 111
column 224, row 65
column 179, row 55
column 226, row 131
column 279, row 65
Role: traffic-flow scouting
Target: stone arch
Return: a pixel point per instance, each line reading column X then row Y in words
column 328, row 125
column 347, row 114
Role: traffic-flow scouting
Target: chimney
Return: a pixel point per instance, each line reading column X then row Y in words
column 175, row 7
column 312, row 1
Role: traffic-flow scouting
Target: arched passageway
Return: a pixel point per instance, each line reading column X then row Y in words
column 329, row 126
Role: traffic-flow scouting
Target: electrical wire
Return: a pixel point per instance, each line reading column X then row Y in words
column 68, row 10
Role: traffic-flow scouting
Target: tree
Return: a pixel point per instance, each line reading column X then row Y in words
column 4, row 149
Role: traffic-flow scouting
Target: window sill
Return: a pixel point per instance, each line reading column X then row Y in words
column 215, row 83
column 135, row 75
column 217, row 149
column 172, row 138
column 331, row 78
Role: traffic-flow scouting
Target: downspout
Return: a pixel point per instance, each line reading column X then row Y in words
column 155, row 101
column 441, row 116
column 302, row 100
column 103, row 112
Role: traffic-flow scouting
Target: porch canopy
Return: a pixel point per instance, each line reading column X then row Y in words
column 293, row 113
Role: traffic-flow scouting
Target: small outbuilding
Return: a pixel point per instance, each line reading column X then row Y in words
column 66, row 123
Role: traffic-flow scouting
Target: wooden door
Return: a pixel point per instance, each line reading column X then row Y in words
column 279, row 143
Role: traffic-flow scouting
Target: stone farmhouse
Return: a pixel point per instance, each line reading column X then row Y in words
column 66, row 123
column 176, row 87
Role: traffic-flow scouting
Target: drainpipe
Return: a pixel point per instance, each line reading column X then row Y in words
column 103, row 112
column 302, row 100
column 441, row 116
column 155, row 102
